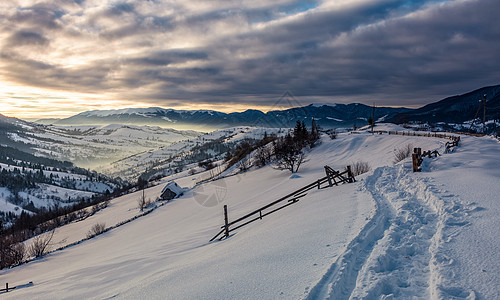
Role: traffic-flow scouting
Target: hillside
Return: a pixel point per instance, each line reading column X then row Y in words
column 90, row 146
column 32, row 184
column 393, row 233
column 456, row 109
column 186, row 154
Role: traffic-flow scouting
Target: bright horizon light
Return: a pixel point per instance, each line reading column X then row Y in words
column 59, row 58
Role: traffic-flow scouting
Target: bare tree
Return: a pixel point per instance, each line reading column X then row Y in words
column 245, row 164
column 18, row 252
column 40, row 244
column 402, row 153
column 291, row 161
column 142, row 201
column 263, row 156
column 12, row 252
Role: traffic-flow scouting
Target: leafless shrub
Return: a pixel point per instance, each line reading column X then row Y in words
column 142, row 203
column 40, row 244
column 360, row 167
column 96, row 229
column 244, row 164
column 12, row 252
column 104, row 204
column 18, row 252
column 95, row 208
column 263, row 156
column 403, row 153
column 207, row 164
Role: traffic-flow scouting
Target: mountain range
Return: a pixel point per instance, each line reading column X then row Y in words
column 325, row 115
column 455, row 109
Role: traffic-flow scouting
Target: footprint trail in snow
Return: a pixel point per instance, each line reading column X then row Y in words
column 401, row 252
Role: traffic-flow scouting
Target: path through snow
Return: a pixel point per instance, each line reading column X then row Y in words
column 401, row 253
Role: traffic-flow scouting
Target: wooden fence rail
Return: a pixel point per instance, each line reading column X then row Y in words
column 10, row 288
column 452, row 144
column 7, row 288
column 428, row 134
column 332, row 178
column 418, row 157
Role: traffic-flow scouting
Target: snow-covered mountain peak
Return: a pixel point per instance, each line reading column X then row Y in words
column 129, row 111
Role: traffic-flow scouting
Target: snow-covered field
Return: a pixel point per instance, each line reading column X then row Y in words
column 168, row 157
column 392, row 234
column 94, row 146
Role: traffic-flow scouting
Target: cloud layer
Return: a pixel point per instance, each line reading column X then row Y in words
column 178, row 52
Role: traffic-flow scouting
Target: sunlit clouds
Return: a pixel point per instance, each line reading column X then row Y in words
column 61, row 57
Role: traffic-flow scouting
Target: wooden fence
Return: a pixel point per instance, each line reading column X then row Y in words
column 452, row 144
column 418, row 157
column 426, row 134
column 7, row 288
column 10, row 288
column 332, row 178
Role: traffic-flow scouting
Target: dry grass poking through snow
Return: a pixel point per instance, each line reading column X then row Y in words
column 402, row 153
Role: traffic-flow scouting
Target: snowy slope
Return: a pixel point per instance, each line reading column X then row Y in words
column 95, row 146
column 91, row 146
column 393, row 233
column 165, row 159
column 65, row 188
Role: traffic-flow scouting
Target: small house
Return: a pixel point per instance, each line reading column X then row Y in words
column 171, row 190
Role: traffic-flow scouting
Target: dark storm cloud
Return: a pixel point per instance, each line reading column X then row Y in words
column 392, row 52
column 22, row 38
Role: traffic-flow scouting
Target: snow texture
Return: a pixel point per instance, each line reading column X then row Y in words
column 392, row 234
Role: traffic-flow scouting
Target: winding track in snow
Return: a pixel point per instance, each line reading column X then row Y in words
column 399, row 253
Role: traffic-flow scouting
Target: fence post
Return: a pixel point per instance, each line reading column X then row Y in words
column 328, row 176
column 6, row 287
column 226, row 222
column 351, row 176
column 414, row 157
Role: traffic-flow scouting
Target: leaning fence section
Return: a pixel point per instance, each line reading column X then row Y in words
column 332, row 178
column 418, row 155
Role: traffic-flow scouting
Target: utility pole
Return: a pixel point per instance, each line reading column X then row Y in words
column 483, row 104
column 373, row 117
column 484, row 115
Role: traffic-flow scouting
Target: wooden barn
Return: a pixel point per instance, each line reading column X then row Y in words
column 171, row 190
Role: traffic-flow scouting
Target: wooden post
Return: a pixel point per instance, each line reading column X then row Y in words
column 226, row 222
column 328, row 176
column 414, row 157
column 351, row 176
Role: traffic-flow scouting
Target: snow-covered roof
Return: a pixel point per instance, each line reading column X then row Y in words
column 174, row 187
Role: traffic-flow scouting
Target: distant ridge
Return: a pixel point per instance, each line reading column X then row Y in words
column 455, row 109
column 325, row 115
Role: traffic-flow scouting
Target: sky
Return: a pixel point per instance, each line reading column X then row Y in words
column 61, row 57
